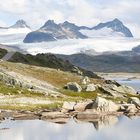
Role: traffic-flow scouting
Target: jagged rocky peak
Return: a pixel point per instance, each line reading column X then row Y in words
column 116, row 20
column 116, row 25
column 69, row 25
column 20, row 24
column 49, row 24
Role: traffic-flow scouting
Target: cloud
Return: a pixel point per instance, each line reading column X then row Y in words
column 82, row 12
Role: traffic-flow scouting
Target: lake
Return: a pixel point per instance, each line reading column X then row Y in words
column 123, row 128
column 135, row 83
column 107, row 128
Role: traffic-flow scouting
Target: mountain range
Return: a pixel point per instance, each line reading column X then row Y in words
column 122, row 61
column 51, row 31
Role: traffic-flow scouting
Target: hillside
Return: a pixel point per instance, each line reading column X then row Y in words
column 51, row 61
column 2, row 52
column 126, row 61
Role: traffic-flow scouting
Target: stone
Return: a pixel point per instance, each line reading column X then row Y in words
column 131, row 109
column 85, row 80
column 125, row 89
column 68, row 106
column 112, row 82
column 77, row 70
column 53, row 115
column 109, row 89
column 91, row 87
column 134, row 100
column 82, row 106
column 103, row 105
column 73, row 86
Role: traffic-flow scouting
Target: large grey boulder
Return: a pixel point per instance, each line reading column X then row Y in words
column 73, row 86
column 91, row 87
column 103, row 105
column 134, row 100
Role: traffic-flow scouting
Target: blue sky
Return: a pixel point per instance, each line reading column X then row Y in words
column 82, row 12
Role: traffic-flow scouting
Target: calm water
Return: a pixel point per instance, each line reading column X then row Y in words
column 107, row 128
column 121, row 128
column 134, row 83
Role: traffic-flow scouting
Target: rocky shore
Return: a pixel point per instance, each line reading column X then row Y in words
column 30, row 92
column 88, row 110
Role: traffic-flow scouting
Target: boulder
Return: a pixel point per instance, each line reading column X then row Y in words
column 82, row 106
column 134, row 100
column 69, row 106
column 103, row 105
column 85, row 80
column 112, row 82
column 109, row 89
column 91, row 87
column 73, row 86
column 77, row 70
column 125, row 89
column 129, row 108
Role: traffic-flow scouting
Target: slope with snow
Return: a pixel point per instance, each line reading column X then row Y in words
column 104, row 32
column 15, row 33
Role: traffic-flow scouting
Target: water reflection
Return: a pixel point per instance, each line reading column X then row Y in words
column 109, row 128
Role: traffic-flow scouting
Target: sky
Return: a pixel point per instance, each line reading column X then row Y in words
column 81, row 12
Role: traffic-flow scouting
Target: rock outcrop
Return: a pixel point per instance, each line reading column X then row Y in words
column 103, row 105
column 26, row 82
column 134, row 100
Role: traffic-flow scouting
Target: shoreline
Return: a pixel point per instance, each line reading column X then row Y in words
column 127, row 76
column 59, row 117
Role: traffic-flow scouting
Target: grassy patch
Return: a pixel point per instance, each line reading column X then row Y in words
column 80, row 95
column 55, row 105
column 10, row 90
column 55, row 77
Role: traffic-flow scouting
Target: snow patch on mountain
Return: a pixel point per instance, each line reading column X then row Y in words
column 104, row 32
column 10, row 31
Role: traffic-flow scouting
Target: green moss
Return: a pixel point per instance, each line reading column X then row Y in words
column 80, row 95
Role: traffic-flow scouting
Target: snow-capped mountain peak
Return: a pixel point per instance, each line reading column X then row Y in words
column 20, row 24
column 49, row 25
column 116, row 25
column 114, row 28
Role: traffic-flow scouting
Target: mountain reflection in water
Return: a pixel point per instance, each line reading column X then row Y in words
column 109, row 128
